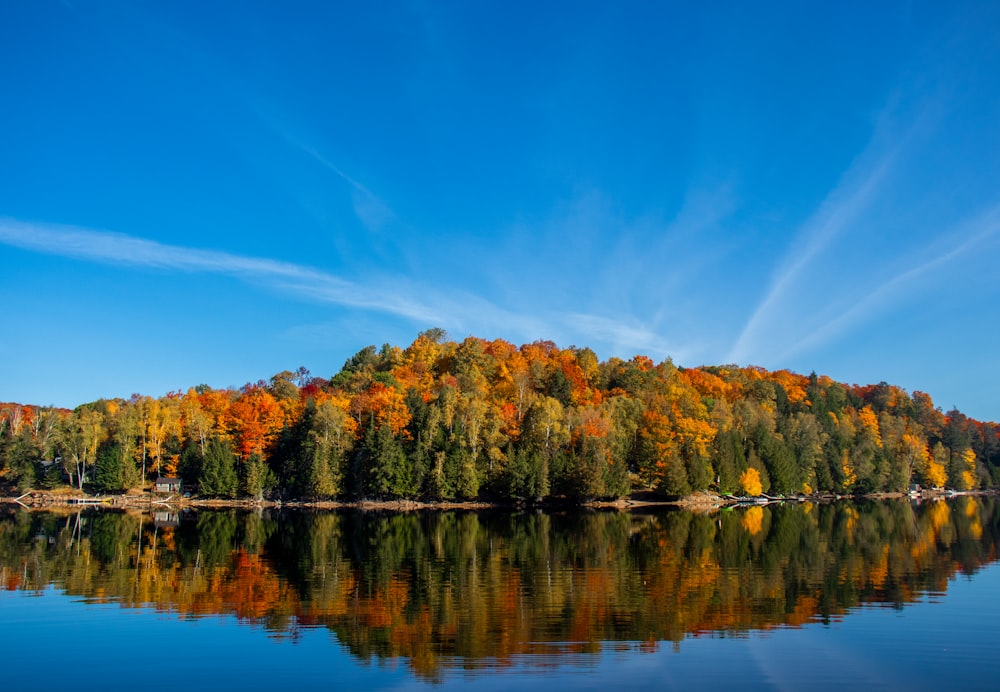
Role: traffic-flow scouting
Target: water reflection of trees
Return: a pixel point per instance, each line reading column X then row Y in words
column 471, row 589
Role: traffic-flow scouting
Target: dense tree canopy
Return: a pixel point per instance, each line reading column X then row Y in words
column 444, row 420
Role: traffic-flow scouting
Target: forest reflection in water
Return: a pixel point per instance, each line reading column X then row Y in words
column 474, row 590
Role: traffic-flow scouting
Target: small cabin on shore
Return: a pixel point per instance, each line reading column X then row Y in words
column 167, row 485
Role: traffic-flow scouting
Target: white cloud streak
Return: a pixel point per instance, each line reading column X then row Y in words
column 838, row 211
column 844, row 207
column 454, row 310
column 368, row 207
column 624, row 339
column 970, row 236
column 457, row 311
column 120, row 249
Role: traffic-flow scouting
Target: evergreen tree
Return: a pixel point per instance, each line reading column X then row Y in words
column 108, row 469
column 527, row 476
column 218, row 473
column 730, row 458
column 777, row 459
column 382, row 467
column 19, row 454
column 257, row 477
column 190, row 466
column 467, row 485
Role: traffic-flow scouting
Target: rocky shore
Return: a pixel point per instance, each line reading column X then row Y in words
column 698, row 502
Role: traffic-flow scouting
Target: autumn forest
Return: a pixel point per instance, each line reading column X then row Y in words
column 441, row 420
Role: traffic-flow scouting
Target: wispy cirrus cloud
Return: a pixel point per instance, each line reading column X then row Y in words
column 844, row 208
column 371, row 210
column 837, row 212
column 125, row 250
column 368, row 207
column 623, row 338
column 456, row 310
column 968, row 237
column 610, row 280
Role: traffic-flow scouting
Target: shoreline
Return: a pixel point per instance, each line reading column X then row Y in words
column 697, row 502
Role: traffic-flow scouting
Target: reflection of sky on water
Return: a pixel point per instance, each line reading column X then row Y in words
column 61, row 643
column 940, row 641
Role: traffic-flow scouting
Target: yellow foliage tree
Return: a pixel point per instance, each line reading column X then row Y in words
column 933, row 472
column 869, row 421
column 750, row 482
column 937, row 467
column 849, row 472
column 967, row 470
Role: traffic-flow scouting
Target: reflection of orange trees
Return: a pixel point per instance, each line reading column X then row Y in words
column 850, row 515
column 590, row 613
column 678, row 592
column 250, row 588
column 933, row 529
column 803, row 612
column 10, row 579
column 753, row 519
column 247, row 587
column 939, row 515
column 973, row 528
column 467, row 590
column 382, row 606
column 878, row 571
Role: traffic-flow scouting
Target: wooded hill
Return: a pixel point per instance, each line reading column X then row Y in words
column 442, row 420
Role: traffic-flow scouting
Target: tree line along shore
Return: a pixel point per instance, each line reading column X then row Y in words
column 480, row 421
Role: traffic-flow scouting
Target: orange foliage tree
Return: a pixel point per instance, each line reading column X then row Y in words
column 254, row 419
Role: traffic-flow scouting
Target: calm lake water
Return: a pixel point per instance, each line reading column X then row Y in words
column 874, row 595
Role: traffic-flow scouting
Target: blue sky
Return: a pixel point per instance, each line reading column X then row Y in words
column 213, row 192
